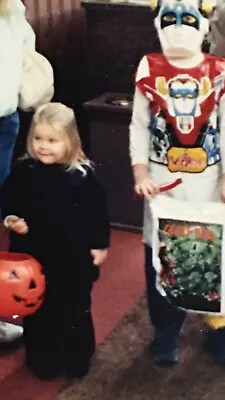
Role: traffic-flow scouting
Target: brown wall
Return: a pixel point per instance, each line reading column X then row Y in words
column 59, row 26
column 42, row 7
column 117, row 37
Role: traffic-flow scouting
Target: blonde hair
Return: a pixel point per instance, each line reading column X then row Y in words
column 6, row 7
column 62, row 120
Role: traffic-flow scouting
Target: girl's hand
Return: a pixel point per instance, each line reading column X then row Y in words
column 222, row 189
column 147, row 188
column 16, row 224
column 99, row 256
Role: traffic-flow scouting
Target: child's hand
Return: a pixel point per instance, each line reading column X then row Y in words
column 99, row 256
column 16, row 224
column 147, row 188
column 222, row 189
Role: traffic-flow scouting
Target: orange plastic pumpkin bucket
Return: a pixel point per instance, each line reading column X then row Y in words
column 22, row 284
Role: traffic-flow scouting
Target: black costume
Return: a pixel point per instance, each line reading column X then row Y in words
column 67, row 217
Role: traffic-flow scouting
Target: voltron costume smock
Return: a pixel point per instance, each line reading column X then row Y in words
column 177, row 123
column 182, row 109
column 184, row 104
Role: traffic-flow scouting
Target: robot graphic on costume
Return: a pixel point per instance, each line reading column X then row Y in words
column 183, row 95
column 183, row 102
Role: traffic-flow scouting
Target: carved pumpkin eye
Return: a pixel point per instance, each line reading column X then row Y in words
column 13, row 275
column 32, row 284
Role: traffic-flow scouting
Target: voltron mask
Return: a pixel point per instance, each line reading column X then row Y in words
column 181, row 27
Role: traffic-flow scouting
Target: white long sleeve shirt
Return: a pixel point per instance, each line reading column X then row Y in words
column 15, row 33
column 196, row 186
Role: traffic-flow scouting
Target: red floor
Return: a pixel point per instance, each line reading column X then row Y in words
column 120, row 286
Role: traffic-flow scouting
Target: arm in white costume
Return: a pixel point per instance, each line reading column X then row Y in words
column 139, row 146
column 139, row 130
column 26, row 29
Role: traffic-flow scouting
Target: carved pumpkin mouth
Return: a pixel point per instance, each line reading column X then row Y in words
column 19, row 299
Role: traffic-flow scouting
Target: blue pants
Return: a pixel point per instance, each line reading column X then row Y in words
column 9, row 129
column 162, row 314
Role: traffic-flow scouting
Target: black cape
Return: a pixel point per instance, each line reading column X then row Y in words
column 66, row 213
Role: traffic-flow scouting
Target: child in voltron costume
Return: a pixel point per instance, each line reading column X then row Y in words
column 178, row 131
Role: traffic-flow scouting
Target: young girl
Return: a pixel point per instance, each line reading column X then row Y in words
column 56, row 211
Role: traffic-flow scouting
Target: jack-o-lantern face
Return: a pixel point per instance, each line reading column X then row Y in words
column 22, row 284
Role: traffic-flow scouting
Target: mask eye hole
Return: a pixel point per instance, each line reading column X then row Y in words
column 190, row 96
column 177, row 96
column 170, row 17
column 189, row 19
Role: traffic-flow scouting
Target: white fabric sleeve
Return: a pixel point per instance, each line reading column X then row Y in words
column 217, row 35
column 139, row 129
column 25, row 28
column 222, row 132
column 29, row 36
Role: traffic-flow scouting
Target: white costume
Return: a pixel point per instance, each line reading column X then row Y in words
column 15, row 33
column 178, row 121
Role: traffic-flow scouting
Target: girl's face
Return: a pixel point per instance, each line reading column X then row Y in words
column 49, row 146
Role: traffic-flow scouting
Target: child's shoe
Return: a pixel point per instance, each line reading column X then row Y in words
column 78, row 370
column 45, row 372
column 216, row 345
column 165, row 347
column 43, row 366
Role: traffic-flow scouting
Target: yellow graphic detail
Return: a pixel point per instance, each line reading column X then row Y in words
column 187, row 160
column 214, row 321
column 206, row 86
column 161, row 84
column 153, row 4
column 206, row 6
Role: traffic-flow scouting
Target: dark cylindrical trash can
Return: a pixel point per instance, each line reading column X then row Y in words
column 109, row 118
